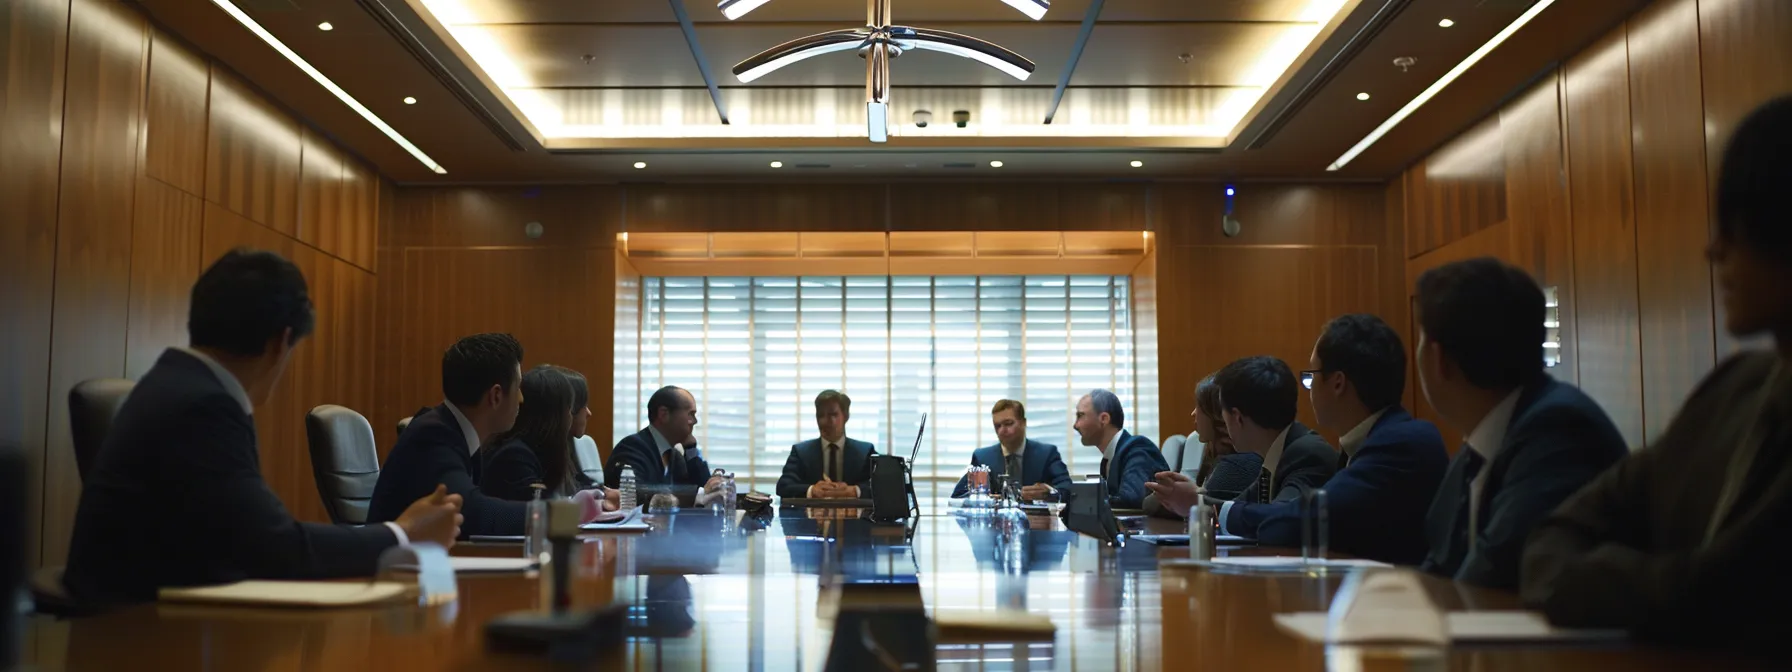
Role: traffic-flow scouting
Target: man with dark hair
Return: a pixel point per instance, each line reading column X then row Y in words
column 176, row 496
column 1036, row 466
column 664, row 455
column 833, row 466
column 1531, row 441
column 1127, row 461
column 1259, row 399
column 1686, row 541
column 481, row 380
column 1390, row 463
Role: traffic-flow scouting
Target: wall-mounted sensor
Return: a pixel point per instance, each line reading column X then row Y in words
column 533, row 230
column 961, row 118
column 923, row 118
column 1230, row 225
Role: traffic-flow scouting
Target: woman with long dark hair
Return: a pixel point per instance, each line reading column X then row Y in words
column 1225, row 472
column 581, row 419
column 538, row 448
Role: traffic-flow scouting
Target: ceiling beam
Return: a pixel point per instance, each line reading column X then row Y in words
column 1076, row 54
column 690, row 39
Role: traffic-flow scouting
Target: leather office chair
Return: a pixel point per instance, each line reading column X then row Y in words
column 1173, row 448
column 403, row 424
column 344, row 460
column 585, row 448
column 91, row 406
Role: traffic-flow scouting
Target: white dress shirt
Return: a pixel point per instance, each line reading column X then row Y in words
column 1487, row 440
column 1270, row 460
column 1353, row 439
column 827, row 462
column 662, row 445
column 234, row 387
column 466, row 427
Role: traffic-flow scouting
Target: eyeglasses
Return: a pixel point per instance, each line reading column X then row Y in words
column 1307, row 377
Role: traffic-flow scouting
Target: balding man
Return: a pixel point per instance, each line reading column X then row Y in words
column 664, row 456
column 1127, row 462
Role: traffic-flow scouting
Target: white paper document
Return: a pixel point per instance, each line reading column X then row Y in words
column 288, row 593
column 1467, row 627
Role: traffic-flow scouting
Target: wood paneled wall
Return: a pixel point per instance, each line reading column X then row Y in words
column 130, row 163
column 1608, row 166
column 1307, row 254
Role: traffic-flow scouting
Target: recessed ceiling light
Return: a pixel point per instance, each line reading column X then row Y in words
column 325, row 26
column 316, row 76
column 640, row 164
column 1362, row 96
column 1138, row 164
column 1446, row 23
column 995, row 164
column 410, row 101
column 777, row 164
column 1444, row 81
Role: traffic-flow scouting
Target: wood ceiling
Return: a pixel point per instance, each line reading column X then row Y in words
column 624, row 67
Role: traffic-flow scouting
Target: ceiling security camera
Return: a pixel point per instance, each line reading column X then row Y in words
column 923, row 118
column 961, row 118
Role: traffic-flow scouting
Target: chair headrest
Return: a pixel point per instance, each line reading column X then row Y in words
column 347, row 438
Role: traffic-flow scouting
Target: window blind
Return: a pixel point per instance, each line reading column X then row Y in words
column 755, row 352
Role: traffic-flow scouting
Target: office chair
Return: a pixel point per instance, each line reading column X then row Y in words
column 585, row 448
column 91, row 406
column 1173, row 448
column 344, row 461
column 403, row 424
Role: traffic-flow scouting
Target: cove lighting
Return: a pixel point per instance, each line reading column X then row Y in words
column 1439, row 85
column 249, row 23
column 1034, row 9
column 734, row 9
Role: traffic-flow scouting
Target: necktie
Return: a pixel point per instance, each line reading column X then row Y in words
column 1012, row 469
column 1104, row 468
column 833, row 470
column 1343, row 460
column 674, row 466
column 1263, row 478
column 1470, row 469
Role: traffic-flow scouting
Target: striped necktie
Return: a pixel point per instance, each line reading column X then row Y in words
column 1263, row 478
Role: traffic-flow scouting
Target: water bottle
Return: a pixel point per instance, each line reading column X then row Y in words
column 535, row 526
column 728, row 494
column 627, row 485
column 1202, row 529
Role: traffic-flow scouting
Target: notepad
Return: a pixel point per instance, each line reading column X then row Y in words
column 479, row 565
column 1468, row 627
column 316, row 594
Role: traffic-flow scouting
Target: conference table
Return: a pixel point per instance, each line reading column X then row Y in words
column 707, row 591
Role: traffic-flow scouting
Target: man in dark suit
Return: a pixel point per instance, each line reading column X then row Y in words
column 1531, row 441
column 1686, row 541
column 481, row 380
column 1037, row 464
column 833, row 466
column 1127, row 461
column 1393, row 463
column 664, row 455
column 1259, row 398
column 176, row 496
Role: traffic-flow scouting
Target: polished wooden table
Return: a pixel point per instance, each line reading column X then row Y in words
column 708, row 592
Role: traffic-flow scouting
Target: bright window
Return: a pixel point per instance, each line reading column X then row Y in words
column 755, row 352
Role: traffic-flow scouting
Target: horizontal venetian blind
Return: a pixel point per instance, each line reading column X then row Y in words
column 755, row 352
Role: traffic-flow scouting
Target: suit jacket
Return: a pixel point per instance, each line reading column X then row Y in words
column 1307, row 463
column 803, row 468
column 1630, row 550
column 1233, row 474
column 433, row 450
column 1135, row 462
column 1377, row 503
column 652, row 474
column 176, row 498
column 1039, row 463
column 508, row 472
column 1557, row 441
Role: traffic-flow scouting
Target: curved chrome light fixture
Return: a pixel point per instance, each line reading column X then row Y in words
column 878, row 42
column 734, row 9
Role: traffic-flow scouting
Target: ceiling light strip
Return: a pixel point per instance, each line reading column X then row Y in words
column 235, row 13
column 1439, row 85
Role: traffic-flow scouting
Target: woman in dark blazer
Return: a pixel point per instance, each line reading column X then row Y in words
column 538, row 448
column 1225, row 472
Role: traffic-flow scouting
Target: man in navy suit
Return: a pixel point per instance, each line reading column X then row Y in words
column 833, row 466
column 1531, row 441
column 176, row 497
column 481, row 380
column 1039, row 468
column 1258, row 399
column 1127, row 461
column 1392, row 462
column 664, row 455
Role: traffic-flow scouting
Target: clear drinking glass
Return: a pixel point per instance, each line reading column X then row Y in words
column 1315, row 528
